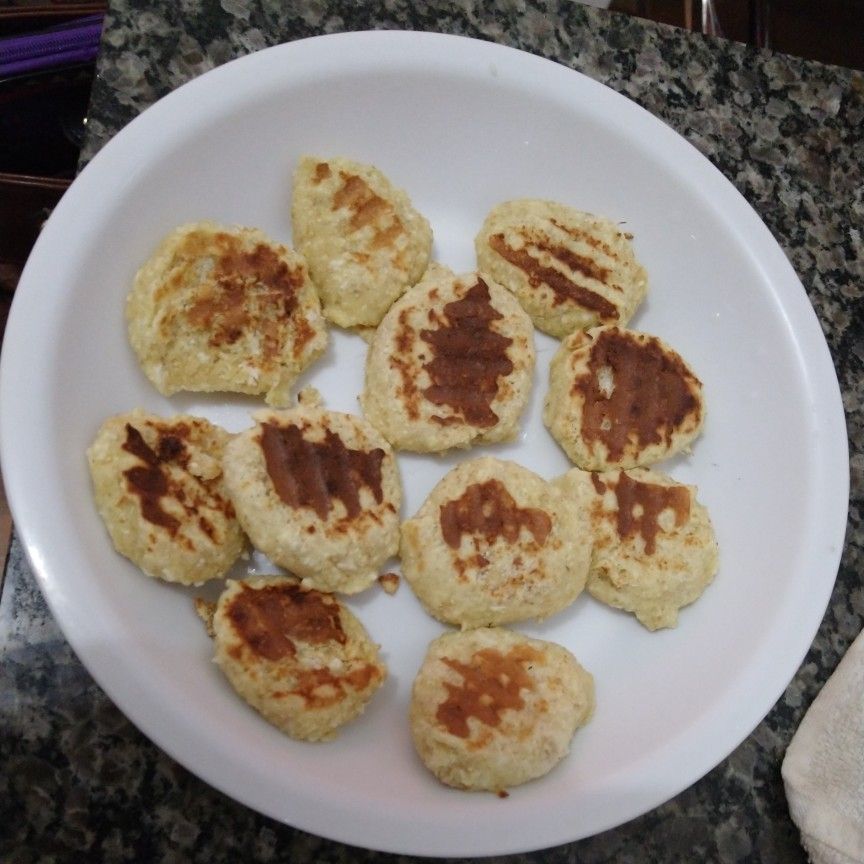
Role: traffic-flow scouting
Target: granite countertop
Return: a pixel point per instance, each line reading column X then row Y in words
column 80, row 783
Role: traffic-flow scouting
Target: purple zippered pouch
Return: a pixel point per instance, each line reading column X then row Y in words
column 74, row 42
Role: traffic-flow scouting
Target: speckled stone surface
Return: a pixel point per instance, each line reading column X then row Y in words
column 79, row 783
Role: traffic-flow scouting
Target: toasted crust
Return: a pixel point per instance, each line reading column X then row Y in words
column 159, row 489
column 491, row 709
column 299, row 657
column 494, row 543
column 319, row 493
column 654, row 546
column 570, row 270
column 224, row 309
column 450, row 365
column 621, row 399
column 364, row 242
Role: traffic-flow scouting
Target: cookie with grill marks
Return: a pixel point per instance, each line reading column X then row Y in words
column 491, row 708
column 570, row 270
column 159, row 489
column 621, row 399
column 654, row 546
column 494, row 543
column 450, row 365
column 318, row 492
column 364, row 241
column 296, row 655
column 225, row 309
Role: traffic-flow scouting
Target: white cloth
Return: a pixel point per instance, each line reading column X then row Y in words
column 824, row 767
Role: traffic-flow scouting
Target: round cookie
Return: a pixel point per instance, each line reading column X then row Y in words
column 364, row 242
column 319, row 493
column 621, row 399
column 224, row 309
column 491, row 708
column 494, row 543
column 450, row 365
column 570, row 270
column 299, row 657
column 159, row 489
column 654, row 546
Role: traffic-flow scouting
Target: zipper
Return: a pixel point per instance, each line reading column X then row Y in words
column 74, row 42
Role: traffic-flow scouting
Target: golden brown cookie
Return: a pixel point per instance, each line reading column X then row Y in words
column 159, row 489
column 620, row 399
column 319, row 493
column 494, row 543
column 364, row 241
column 224, row 309
column 450, row 365
column 654, row 546
column 491, row 708
column 296, row 655
column 570, row 270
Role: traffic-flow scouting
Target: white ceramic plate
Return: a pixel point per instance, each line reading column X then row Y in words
column 461, row 125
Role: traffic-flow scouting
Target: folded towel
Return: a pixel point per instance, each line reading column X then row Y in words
column 824, row 767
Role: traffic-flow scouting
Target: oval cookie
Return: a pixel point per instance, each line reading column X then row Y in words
column 450, row 365
column 494, row 543
column 621, row 399
column 319, row 493
column 224, row 309
column 159, row 489
column 296, row 655
column 491, row 708
column 654, row 546
column 570, row 270
column 364, row 242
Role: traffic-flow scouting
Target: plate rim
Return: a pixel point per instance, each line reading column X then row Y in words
column 390, row 46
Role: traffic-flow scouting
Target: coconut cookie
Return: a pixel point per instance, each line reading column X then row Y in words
column 364, row 241
column 224, row 309
column 297, row 656
column 159, row 489
column 494, row 543
column 570, row 270
column 491, row 708
column 450, row 365
column 654, row 546
column 318, row 492
column 621, row 399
